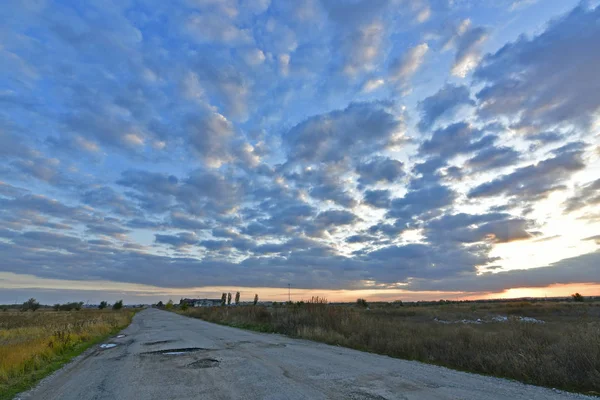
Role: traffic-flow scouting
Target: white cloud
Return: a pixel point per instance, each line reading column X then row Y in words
column 424, row 14
column 214, row 28
column 403, row 68
column 253, row 56
column 372, row 84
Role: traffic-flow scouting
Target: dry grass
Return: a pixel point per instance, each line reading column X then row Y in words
column 562, row 353
column 35, row 343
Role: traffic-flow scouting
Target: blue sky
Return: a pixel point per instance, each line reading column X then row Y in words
column 407, row 148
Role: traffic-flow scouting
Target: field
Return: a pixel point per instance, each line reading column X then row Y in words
column 33, row 344
column 553, row 344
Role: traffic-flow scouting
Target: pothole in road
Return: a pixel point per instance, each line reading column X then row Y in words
column 176, row 352
column 158, row 342
column 204, row 363
column 271, row 345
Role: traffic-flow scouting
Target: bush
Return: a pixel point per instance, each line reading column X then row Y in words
column 31, row 304
column 119, row 304
column 362, row 303
column 184, row 306
column 577, row 297
column 69, row 306
column 169, row 305
column 103, row 305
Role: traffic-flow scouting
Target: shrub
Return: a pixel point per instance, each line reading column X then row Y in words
column 255, row 299
column 103, row 305
column 119, row 304
column 69, row 306
column 362, row 303
column 169, row 305
column 184, row 306
column 31, row 304
column 577, row 297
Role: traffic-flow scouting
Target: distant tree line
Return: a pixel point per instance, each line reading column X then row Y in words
column 33, row 305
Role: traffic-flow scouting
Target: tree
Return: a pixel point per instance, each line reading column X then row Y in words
column 169, row 305
column 118, row 305
column 31, row 304
column 362, row 303
column 56, row 307
column 160, row 304
column 237, row 298
column 255, row 299
column 103, row 305
column 228, row 299
column 184, row 306
column 577, row 297
column 223, row 299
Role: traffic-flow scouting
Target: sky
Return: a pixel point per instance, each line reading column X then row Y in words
column 387, row 149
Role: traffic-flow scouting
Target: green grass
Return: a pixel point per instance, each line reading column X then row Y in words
column 35, row 344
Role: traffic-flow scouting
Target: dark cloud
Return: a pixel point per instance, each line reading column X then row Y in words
column 180, row 240
column 534, row 181
column 108, row 227
column 587, row 195
column 380, row 169
column 333, row 192
column 378, row 198
column 533, row 83
column 211, row 138
column 181, row 220
column 335, row 218
column 547, row 137
column 472, row 228
column 580, row 269
column 359, row 238
column 443, row 103
column 107, row 198
column 422, row 202
column 360, row 129
column 458, row 138
column 494, row 157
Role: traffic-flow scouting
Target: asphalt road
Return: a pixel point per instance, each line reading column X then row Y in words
column 228, row 363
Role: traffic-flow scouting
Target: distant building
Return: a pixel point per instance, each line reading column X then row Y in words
column 201, row 302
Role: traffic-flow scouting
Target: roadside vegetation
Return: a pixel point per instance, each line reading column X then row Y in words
column 548, row 343
column 35, row 341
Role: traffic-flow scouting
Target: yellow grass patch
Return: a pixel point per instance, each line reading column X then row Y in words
column 31, row 341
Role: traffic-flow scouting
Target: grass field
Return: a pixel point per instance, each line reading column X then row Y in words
column 33, row 344
column 562, row 352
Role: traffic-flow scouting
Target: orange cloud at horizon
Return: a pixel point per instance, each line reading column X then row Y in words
column 149, row 294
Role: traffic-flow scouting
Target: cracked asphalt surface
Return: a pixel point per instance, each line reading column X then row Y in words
column 167, row 356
